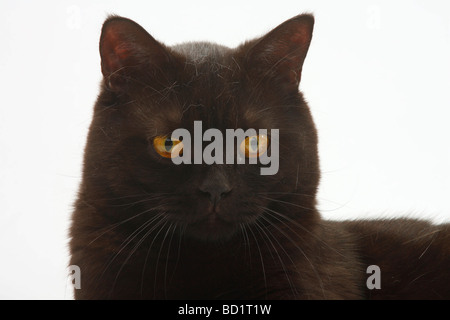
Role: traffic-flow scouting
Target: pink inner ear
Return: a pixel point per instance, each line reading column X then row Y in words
column 122, row 51
column 296, row 49
column 114, row 52
column 284, row 49
column 300, row 38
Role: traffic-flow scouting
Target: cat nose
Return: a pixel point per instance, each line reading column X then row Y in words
column 215, row 185
column 215, row 191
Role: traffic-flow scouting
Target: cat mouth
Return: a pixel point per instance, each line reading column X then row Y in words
column 218, row 225
column 212, row 220
column 212, row 227
column 212, row 223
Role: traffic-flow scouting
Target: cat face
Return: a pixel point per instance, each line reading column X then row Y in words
column 150, row 90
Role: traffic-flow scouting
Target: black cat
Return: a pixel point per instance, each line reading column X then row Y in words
column 147, row 228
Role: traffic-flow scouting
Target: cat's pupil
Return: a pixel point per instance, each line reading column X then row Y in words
column 168, row 144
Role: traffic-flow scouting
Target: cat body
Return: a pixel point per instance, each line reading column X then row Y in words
column 145, row 228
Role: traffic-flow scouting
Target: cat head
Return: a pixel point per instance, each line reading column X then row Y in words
column 149, row 90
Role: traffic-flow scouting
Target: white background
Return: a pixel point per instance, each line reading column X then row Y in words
column 377, row 78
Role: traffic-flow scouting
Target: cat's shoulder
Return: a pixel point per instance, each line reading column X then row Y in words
column 396, row 226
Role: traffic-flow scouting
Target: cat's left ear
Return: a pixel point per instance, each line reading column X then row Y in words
column 282, row 51
column 129, row 52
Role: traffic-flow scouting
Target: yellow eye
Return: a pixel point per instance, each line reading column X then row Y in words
column 168, row 147
column 254, row 146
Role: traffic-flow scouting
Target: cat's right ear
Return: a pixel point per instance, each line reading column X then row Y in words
column 128, row 52
column 281, row 52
